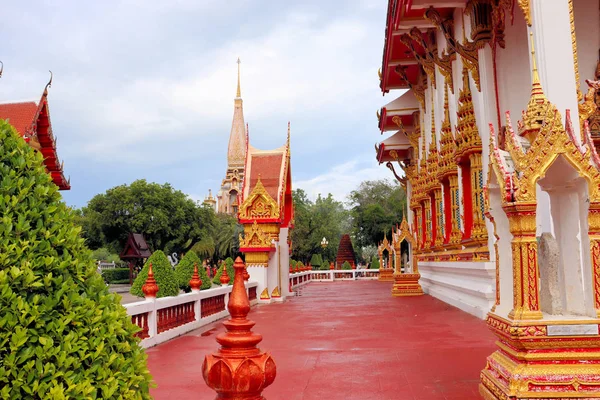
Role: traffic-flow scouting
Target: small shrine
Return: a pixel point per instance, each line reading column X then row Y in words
column 547, row 309
column 267, row 212
column 32, row 120
column 386, row 263
column 345, row 253
column 135, row 252
column 406, row 271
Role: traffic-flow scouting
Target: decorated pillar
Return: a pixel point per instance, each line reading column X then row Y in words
column 386, row 272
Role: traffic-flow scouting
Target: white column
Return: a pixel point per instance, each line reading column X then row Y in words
column 258, row 273
column 554, row 54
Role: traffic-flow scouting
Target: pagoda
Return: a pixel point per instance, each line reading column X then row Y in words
column 228, row 196
column 345, row 253
column 31, row 119
column 210, row 201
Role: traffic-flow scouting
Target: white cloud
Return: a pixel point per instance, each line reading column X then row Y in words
column 343, row 178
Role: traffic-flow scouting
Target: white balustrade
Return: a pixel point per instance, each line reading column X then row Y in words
column 298, row 279
column 165, row 318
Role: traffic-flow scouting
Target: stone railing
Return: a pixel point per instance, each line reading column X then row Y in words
column 298, row 279
column 168, row 317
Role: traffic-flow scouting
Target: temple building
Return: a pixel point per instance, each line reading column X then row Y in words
column 267, row 213
column 228, row 197
column 504, row 213
column 32, row 120
column 210, row 201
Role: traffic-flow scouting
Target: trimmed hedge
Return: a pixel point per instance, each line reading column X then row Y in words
column 163, row 274
column 374, row 263
column 346, row 265
column 62, row 334
column 316, row 261
column 115, row 274
column 185, row 269
column 228, row 263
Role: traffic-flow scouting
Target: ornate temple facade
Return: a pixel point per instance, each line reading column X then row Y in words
column 32, row 120
column 229, row 194
column 494, row 136
column 267, row 213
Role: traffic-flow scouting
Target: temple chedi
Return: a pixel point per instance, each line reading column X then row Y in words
column 228, row 197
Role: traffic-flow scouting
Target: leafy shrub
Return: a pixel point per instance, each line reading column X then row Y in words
column 115, row 274
column 185, row 269
column 374, row 263
column 63, row 335
column 293, row 263
column 228, row 263
column 316, row 261
column 346, row 265
column 163, row 273
column 325, row 265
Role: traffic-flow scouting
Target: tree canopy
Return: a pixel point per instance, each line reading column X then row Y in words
column 376, row 206
column 169, row 219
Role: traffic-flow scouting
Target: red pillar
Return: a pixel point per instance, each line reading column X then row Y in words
column 447, row 210
column 467, row 199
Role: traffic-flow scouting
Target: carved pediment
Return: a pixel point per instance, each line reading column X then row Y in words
column 259, row 204
column 256, row 237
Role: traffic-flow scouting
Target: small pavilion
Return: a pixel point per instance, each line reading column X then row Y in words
column 136, row 250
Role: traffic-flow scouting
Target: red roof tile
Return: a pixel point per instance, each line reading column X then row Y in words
column 20, row 115
column 268, row 166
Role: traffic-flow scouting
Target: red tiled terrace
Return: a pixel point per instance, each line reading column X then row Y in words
column 345, row 341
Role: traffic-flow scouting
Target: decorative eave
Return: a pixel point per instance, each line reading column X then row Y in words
column 259, row 205
column 398, row 114
column 395, row 148
column 32, row 120
column 256, row 240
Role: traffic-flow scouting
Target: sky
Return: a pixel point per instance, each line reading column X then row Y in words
column 144, row 89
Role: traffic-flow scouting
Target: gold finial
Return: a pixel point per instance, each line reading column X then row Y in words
column 288, row 135
column 446, row 106
column 536, row 76
column 433, row 136
column 239, row 91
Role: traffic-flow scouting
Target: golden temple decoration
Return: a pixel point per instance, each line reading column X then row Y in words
column 574, row 45
column 255, row 237
column 467, row 134
column 593, row 119
column 265, row 294
column 467, row 50
column 418, row 88
column 406, row 283
column 275, row 292
column 258, row 258
column 444, row 62
column 525, row 6
column 426, row 62
column 447, row 164
column 396, row 119
column 259, row 204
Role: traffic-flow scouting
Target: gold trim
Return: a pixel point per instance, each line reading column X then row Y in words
column 525, row 6
column 265, row 294
column 275, row 292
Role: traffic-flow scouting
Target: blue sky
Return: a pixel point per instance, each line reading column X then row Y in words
column 144, row 89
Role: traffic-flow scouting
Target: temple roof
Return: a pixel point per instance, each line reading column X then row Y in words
column 31, row 119
column 399, row 110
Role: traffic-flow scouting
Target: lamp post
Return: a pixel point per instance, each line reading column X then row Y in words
column 324, row 243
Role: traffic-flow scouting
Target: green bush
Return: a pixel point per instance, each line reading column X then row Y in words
column 228, row 263
column 185, row 269
column 325, row 265
column 346, row 265
column 62, row 335
column 316, row 261
column 374, row 263
column 115, row 274
column 293, row 264
column 163, row 273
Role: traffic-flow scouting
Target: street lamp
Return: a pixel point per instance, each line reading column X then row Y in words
column 324, row 243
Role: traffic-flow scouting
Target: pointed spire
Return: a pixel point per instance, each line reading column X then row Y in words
column 195, row 282
column 239, row 91
column 150, row 288
column 536, row 86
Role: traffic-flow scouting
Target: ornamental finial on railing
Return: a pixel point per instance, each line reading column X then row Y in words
column 150, row 288
column 195, row 282
column 224, row 276
column 246, row 274
column 238, row 370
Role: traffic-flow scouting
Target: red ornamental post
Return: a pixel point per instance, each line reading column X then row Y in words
column 195, row 282
column 239, row 370
column 331, row 266
column 150, row 288
column 224, row 277
column 246, row 274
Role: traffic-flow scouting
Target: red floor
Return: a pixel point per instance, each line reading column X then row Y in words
column 345, row 341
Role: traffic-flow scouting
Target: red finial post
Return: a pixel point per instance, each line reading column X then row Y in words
column 195, row 282
column 239, row 370
column 246, row 274
column 331, row 266
column 224, row 277
column 150, row 288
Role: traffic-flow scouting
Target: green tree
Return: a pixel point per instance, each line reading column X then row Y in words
column 63, row 335
column 377, row 206
column 316, row 261
column 185, row 269
column 346, row 265
column 228, row 263
column 169, row 219
column 368, row 252
column 325, row 218
column 163, row 274
column 374, row 263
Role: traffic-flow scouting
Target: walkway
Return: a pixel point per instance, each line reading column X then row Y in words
column 345, row 341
